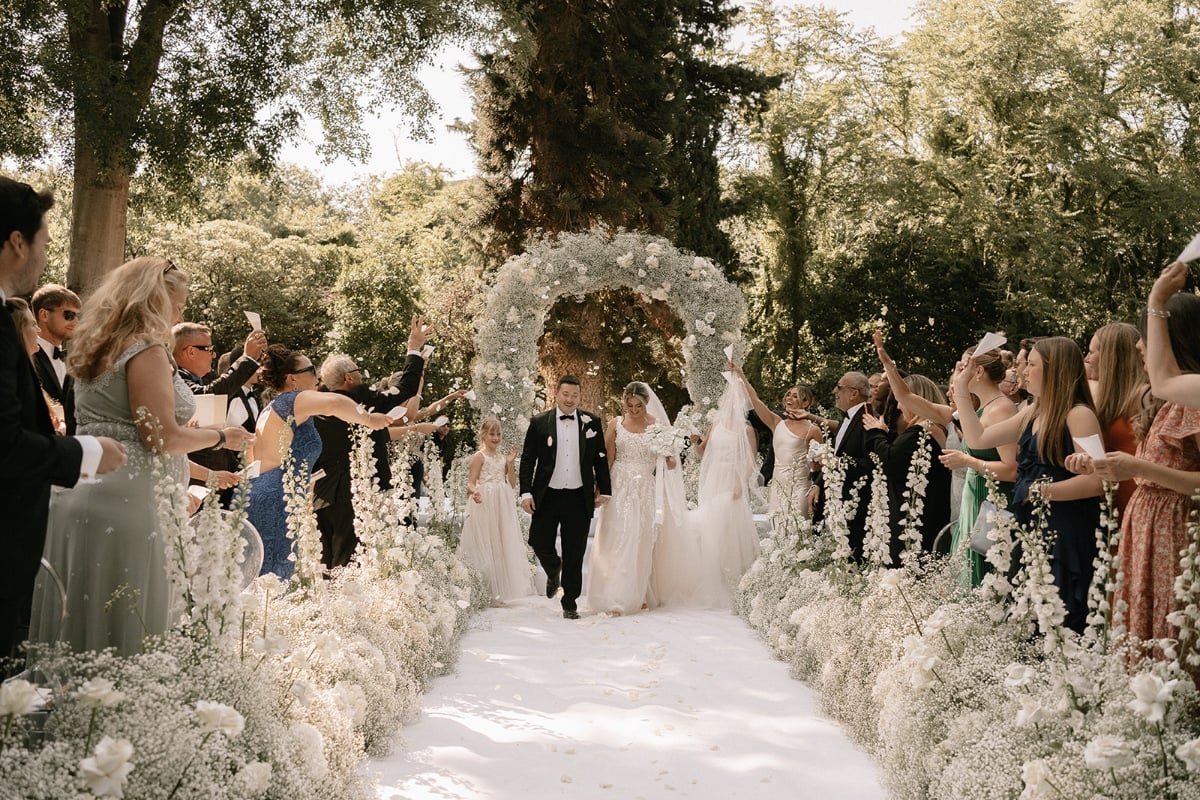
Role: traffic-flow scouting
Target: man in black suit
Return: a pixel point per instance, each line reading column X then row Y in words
column 332, row 497
column 56, row 309
column 32, row 457
column 564, row 478
column 854, row 444
column 193, row 353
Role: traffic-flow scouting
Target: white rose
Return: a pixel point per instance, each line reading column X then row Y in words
column 273, row 644
column 17, row 698
column 1031, row 713
column 255, row 777
column 351, row 700
column 652, row 262
column 890, row 578
column 98, row 693
column 1018, row 675
column 625, row 260
column 1036, row 775
column 1151, row 696
column 219, row 717
column 107, row 770
column 1108, row 752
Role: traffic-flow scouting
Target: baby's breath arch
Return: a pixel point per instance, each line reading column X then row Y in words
column 527, row 286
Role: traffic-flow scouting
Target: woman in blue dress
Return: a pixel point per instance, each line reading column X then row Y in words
column 1045, row 431
column 288, row 423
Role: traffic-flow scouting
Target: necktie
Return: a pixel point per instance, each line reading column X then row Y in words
column 59, row 353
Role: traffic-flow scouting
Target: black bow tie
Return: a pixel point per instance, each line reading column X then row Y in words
column 59, row 353
column 566, row 416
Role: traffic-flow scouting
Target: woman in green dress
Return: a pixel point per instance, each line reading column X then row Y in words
column 1000, row 462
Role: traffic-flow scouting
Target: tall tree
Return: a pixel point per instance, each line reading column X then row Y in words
column 164, row 87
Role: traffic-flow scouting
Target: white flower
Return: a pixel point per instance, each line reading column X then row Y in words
column 513, row 316
column 106, row 771
column 310, row 745
column 273, row 644
column 303, row 691
column 652, row 262
column 219, row 717
column 1031, row 713
column 625, row 260
column 17, row 697
column 1036, row 775
column 1189, row 754
column 497, row 408
column 1108, row 752
column 1151, row 696
column 1018, row 675
column 255, row 777
column 98, row 693
column 889, row 578
column 351, row 701
column 654, row 248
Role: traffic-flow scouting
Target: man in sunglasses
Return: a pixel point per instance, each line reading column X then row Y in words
column 56, row 309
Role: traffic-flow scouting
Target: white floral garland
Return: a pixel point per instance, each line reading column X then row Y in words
column 527, row 286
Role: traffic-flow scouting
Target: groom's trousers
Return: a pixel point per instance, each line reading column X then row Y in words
column 571, row 511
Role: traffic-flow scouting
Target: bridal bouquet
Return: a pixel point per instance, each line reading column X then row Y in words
column 666, row 440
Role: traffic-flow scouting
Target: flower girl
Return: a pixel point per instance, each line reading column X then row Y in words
column 491, row 536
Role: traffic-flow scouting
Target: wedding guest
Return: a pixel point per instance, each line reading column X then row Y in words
column 332, row 496
column 1166, row 471
column 1062, row 411
column 492, row 541
column 288, row 426
column 791, row 493
column 56, row 309
column 1021, row 365
column 27, row 332
column 243, row 406
column 194, row 353
column 1168, row 379
column 853, row 444
column 32, row 457
column 912, row 430
column 1117, row 380
column 1009, row 385
column 104, row 537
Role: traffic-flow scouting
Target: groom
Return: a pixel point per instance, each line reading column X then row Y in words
column 564, row 476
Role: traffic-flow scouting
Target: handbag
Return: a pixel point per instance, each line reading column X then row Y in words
column 984, row 525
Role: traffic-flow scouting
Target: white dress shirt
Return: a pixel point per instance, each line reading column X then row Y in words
column 59, row 364
column 567, row 474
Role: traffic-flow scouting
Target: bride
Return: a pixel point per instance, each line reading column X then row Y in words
column 619, row 576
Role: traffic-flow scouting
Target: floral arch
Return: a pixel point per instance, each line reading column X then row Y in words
column 527, row 286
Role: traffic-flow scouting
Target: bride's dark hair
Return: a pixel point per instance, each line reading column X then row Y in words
column 639, row 390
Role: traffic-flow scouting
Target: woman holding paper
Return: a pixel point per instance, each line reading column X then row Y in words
column 1045, row 434
column 1169, row 378
column 101, row 537
column 1166, row 473
column 287, row 427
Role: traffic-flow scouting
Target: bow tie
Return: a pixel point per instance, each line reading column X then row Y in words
column 59, row 353
column 566, row 416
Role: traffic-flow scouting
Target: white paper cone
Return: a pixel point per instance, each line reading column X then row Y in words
column 990, row 341
column 254, row 319
column 1192, row 251
column 1092, row 445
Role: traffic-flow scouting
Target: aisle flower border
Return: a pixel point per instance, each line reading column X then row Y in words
column 528, row 285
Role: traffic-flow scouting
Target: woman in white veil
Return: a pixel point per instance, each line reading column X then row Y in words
column 677, row 562
column 723, row 521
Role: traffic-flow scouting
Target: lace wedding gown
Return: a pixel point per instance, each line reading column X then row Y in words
column 491, row 536
column 619, row 572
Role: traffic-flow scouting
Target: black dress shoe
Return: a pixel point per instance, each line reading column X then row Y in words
column 570, row 613
column 552, row 584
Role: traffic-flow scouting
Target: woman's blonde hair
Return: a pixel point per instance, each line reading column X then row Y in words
column 133, row 304
column 1121, row 377
column 1064, row 386
column 488, row 424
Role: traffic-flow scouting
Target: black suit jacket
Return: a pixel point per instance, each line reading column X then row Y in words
column 541, row 450
column 336, row 442
column 856, row 448
column 63, row 394
column 32, row 458
column 229, row 384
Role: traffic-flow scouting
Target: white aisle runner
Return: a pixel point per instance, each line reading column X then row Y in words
column 663, row 704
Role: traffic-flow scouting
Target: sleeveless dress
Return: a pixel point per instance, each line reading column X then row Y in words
column 102, row 535
column 268, row 510
column 1073, row 523
column 973, row 494
column 1154, row 529
column 491, row 535
column 622, row 557
column 791, row 481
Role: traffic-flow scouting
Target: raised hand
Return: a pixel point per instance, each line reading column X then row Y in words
column 255, row 345
column 880, row 351
column 1169, row 282
column 418, row 332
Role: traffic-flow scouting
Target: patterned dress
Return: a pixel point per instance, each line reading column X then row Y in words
column 1154, row 528
column 491, row 539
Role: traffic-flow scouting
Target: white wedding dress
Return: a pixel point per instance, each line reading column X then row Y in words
column 619, row 571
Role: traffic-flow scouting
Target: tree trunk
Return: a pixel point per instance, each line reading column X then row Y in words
column 99, row 209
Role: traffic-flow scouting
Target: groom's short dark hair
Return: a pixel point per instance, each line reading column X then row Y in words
column 571, row 379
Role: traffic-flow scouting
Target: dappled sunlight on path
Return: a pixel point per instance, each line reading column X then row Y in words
column 654, row 705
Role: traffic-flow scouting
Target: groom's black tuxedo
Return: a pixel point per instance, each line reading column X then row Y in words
column 31, row 458
column 567, row 509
